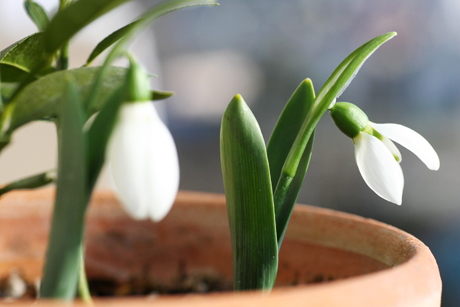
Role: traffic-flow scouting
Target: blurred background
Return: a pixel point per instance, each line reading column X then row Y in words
column 263, row 49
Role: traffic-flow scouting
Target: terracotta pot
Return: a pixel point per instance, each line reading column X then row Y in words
column 354, row 261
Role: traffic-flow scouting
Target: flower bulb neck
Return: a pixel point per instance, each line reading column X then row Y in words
column 137, row 88
column 350, row 119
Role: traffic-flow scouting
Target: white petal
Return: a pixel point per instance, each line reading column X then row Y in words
column 144, row 162
column 379, row 168
column 392, row 148
column 412, row 141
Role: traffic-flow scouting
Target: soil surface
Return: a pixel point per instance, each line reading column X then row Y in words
column 15, row 287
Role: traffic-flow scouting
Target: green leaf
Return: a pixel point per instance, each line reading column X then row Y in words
column 280, row 144
column 249, row 199
column 37, row 14
column 44, row 98
column 7, row 90
column 99, row 134
column 160, row 95
column 284, row 209
column 109, row 41
column 31, row 182
column 158, row 10
column 62, row 265
column 21, row 59
column 67, row 22
column 288, row 126
column 334, row 86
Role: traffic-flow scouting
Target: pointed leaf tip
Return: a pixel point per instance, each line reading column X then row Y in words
column 238, row 97
column 236, row 105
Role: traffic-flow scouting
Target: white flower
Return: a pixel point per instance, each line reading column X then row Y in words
column 144, row 162
column 377, row 157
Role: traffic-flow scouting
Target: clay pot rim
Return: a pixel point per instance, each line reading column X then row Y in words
column 409, row 273
column 418, row 261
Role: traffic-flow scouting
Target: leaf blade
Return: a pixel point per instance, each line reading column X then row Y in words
column 287, row 127
column 338, row 80
column 279, row 145
column 20, row 60
column 37, row 14
column 67, row 22
column 99, row 133
column 32, row 182
column 328, row 92
column 109, row 41
column 61, row 271
column 157, row 11
column 249, row 199
column 122, row 45
column 43, row 98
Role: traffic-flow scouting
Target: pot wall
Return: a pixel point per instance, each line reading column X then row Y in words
column 352, row 261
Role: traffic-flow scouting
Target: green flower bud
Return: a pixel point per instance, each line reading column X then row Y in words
column 138, row 88
column 350, row 119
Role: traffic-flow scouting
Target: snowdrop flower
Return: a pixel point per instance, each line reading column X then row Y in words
column 376, row 155
column 143, row 159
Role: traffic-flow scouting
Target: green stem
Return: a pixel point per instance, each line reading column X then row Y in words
column 83, row 288
column 60, row 273
column 62, row 266
column 282, row 212
column 63, row 60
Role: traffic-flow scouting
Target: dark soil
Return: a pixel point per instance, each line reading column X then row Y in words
column 190, row 283
column 14, row 286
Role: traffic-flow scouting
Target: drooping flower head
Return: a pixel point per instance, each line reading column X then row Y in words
column 376, row 155
column 142, row 154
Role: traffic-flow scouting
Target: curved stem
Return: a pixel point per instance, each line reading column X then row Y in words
column 83, row 288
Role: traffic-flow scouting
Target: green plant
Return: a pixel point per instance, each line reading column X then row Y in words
column 36, row 84
column 262, row 183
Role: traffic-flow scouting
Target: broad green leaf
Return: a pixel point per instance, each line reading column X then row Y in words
column 281, row 140
column 72, row 19
column 37, row 14
column 44, row 98
column 288, row 126
column 109, row 41
column 21, row 59
column 62, row 264
column 249, row 199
